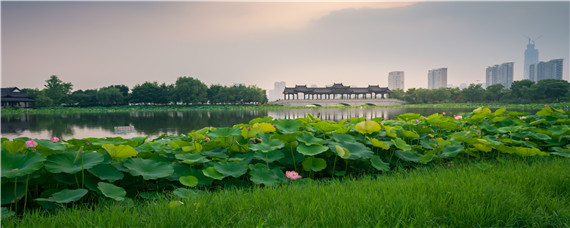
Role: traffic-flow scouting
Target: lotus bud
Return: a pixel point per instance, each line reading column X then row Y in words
column 31, row 144
column 207, row 139
column 54, row 139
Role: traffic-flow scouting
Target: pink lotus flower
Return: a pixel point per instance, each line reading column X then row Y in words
column 444, row 113
column 249, row 128
column 207, row 139
column 292, row 175
column 31, row 143
column 417, row 121
column 54, row 139
column 458, row 117
column 545, row 105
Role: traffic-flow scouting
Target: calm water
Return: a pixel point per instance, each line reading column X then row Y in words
column 154, row 124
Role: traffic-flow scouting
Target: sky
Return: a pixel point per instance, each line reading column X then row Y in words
column 97, row 44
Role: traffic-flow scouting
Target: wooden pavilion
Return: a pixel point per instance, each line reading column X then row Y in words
column 336, row 91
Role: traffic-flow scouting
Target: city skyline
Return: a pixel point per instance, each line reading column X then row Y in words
column 261, row 43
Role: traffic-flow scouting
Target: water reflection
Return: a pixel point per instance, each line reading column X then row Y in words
column 153, row 124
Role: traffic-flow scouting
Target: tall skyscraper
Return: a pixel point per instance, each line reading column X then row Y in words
column 500, row 74
column 396, row 80
column 437, row 78
column 546, row 70
column 277, row 92
column 530, row 57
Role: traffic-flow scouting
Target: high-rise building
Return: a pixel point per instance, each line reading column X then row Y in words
column 437, row 78
column 396, row 80
column 277, row 92
column 500, row 74
column 546, row 70
column 530, row 57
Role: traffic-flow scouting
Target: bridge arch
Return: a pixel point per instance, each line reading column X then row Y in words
column 344, row 104
column 370, row 104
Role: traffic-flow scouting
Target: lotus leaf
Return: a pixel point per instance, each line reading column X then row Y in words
column 265, row 119
column 325, row 126
column 212, row 173
column 410, row 134
column 8, row 192
column 16, row 164
column 401, row 144
column 558, row 151
column 45, row 145
column 218, row 153
column 147, row 168
column 357, row 150
column 309, row 139
column 112, row 191
column 185, row 193
column 107, row 172
column 343, row 137
column 14, row 146
column 407, row 156
column 482, row 110
column 7, row 213
column 425, row 144
column 342, row 152
column 390, row 132
column 267, row 145
column 66, row 162
column 223, row 132
column 120, row 152
column 408, row 117
column 314, row 164
column 190, row 181
column 378, row 143
column 265, row 127
column 234, row 169
column 367, row 127
column 288, row 126
column 540, row 136
column 311, row 150
column 251, row 132
column 269, row 157
column 192, row 158
column 451, row 150
column 426, row 158
column 378, row 164
column 65, row 196
column 481, row 147
column 261, row 174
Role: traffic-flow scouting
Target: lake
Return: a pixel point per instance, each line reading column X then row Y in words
column 154, row 124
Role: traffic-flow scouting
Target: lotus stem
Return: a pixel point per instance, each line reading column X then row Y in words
column 267, row 159
column 16, row 194
column 293, row 156
column 26, row 195
column 76, row 181
column 334, row 165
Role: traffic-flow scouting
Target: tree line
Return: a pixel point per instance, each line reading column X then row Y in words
column 185, row 91
column 524, row 91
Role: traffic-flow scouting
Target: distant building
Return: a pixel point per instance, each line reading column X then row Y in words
column 396, row 80
column 239, row 84
column 463, row 86
column 14, row 97
column 277, row 92
column 530, row 57
column 437, row 78
column 546, row 70
column 500, row 74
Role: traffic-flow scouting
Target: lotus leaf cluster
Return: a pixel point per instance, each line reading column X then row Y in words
column 54, row 174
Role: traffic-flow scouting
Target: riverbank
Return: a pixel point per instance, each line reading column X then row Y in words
column 53, row 110
column 514, row 193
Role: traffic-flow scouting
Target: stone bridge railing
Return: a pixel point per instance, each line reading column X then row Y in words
column 339, row 102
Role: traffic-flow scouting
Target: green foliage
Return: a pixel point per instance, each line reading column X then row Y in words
column 112, row 191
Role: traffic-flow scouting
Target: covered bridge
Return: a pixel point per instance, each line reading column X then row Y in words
column 336, row 91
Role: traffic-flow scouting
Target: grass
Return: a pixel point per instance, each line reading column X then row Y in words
column 517, row 193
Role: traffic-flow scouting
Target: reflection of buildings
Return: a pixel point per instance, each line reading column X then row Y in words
column 500, row 74
column 546, row 70
column 437, row 78
column 15, row 124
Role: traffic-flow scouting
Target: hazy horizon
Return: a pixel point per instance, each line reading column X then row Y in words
column 97, row 44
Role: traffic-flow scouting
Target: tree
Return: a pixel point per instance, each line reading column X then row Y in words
column 494, row 92
column 517, row 88
column 57, row 90
column 85, row 98
column 552, row 89
column 213, row 94
column 110, row 96
column 190, row 90
column 474, row 93
column 146, row 93
column 39, row 96
column 397, row 94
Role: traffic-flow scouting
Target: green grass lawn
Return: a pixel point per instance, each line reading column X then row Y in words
column 515, row 193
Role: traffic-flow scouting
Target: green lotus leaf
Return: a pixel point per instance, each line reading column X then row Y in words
column 8, row 192
column 107, row 172
column 390, row 132
column 180, row 170
column 112, row 191
column 234, row 169
column 190, row 181
column 216, row 153
column 309, row 139
column 343, row 137
column 481, row 147
column 342, row 152
column 185, row 193
column 65, row 196
column 522, row 151
column 16, row 164
column 65, row 162
column 451, row 150
column 559, row 130
column 45, row 144
column 251, row 132
column 203, row 180
column 482, row 110
column 367, row 127
column 357, row 150
column 6, row 213
column 410, row 134
column 223, row 132
column 212, row 173
column 425, row 144
column 508, row 129
column 401, row 144
column 270, row 156
column 325, row 126
column 288, row 126
column 500, row 112
column 196, row 158
column 426, row 158
column 314, row 164
column 557, row 151
column 311, row 150
column 120, row 152
column 378, row 143
column 540, row 136
column 261, row 174
column 147, row 168
column 407, row 156
column 409, row 117
column 267, row 145
column 378, row 164
column 14, row 146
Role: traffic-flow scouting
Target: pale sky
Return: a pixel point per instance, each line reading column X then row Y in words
column 97, row 44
